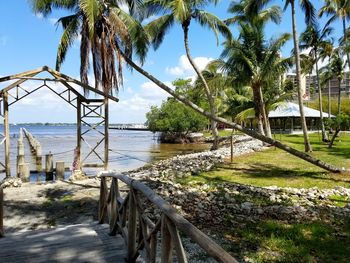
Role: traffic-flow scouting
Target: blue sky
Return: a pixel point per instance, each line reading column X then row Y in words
column 29, row 41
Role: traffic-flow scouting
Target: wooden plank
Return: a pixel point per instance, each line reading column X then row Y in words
column 167, row 247
column 132, row 224
column 180, row 251
column 2, row 233
column 7, row 135
column 106, row 136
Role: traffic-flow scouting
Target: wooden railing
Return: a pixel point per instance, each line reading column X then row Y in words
column 130, row 216
column 1, row 212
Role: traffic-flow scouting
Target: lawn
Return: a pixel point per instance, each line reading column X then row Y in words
column 276, row 167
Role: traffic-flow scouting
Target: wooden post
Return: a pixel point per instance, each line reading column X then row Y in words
column 131, row 226
column 106, row 155
column 231, row 148
column 49, row 166
column 20, row 160
column 20, row 147
column 7, row 134
column 24, row 171
column 39, row 163
column 1, row 212
column 78, row 149
column 166, row 242
column 60, row 170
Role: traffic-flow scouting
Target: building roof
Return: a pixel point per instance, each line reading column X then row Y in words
column 290, row 109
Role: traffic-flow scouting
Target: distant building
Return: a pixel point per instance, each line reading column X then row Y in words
column 309, row 85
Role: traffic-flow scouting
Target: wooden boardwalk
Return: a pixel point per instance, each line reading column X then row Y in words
column 75, row 243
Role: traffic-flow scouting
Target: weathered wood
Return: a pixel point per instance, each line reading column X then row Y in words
column 167, row 247
column 132, row 225
column 7, row 135
column 20, row 160
column 113, row 208
column 231, row 142
column 183, row 225
column 20, row 147
column 24, row 171
column 49, row 166
column 78, row 149
column 39, row 163
column 102, row 205
column 106, row 135
column 2, row 233
column 180, row 251
column 60, row 169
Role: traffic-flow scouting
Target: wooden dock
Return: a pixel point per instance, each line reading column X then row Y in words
column 75, row 243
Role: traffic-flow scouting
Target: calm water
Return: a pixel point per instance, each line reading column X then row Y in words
column 128, row 149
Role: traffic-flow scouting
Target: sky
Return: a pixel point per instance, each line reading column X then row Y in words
column 29, row 41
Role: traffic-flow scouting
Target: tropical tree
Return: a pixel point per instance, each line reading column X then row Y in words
column 254, row 15
column 336, row 69
column 338, row 9
column 255, row 62
column 315, row 39
column 184, row 12
column 309, row 12
column 105, row 30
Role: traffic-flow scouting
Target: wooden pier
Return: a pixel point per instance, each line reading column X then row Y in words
column 75, row 243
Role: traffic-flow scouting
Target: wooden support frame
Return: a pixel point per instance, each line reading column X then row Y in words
column 87, row 109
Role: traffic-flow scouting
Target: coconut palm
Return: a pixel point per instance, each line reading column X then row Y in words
column 336, row 68
column 338, row 9
column 255, row 62
column 315, row 39
column 184, row 12
column 105, row 30
column 309, row 12
column 255, row 14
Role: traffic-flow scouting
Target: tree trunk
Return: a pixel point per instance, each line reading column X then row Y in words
column 329, row 100
column 346, row 42
column 251, row 133
column 300, row 98
column 339, row 95
column 323, row 130
column 264, row 115
column 206, row 89
column 330, row 145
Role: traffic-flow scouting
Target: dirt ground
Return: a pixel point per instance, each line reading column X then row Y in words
column 51, row 204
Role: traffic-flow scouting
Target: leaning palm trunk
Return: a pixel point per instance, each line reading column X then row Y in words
column 300, row 98
column 251, row 133
column 264, row 115
column 324, row 135
column 329, row 100
column 206, row 89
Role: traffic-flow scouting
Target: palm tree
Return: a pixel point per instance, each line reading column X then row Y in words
column 255, row 15
column 183, row 12
column 316, row 39
column 338, row 9
column 336, row 68
column 309, row 11
column 105, row 31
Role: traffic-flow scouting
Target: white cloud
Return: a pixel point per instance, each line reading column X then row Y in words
column 39, row 15
column 53, row 20
column 184, row 68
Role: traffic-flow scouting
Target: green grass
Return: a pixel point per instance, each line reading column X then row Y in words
column 222, row 133
column 276, row 241
column 276, row 167
column 339, row 200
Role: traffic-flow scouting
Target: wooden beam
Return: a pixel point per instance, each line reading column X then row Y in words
column 106, row 135
column 1, row 212
column 78, row 149
column 7, row 134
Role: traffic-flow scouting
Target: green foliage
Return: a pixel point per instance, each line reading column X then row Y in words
column 174, row 117
column 340, row 122
column 345, row 105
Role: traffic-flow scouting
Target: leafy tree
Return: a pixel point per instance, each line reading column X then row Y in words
column 175, row 119
column 341, row 122
column 184, row 12
column 316, row 39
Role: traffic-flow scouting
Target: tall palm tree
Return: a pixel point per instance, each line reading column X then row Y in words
column 184, row 12
column 256, row 63
column 309, row 11
column 338, row 9
column 255, row 14
column 315, row 39
column 105, row 31
column 325, row 54
column 336, row 68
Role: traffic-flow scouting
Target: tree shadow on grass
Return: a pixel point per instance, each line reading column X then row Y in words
column 276, row 241
column 263, row 171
